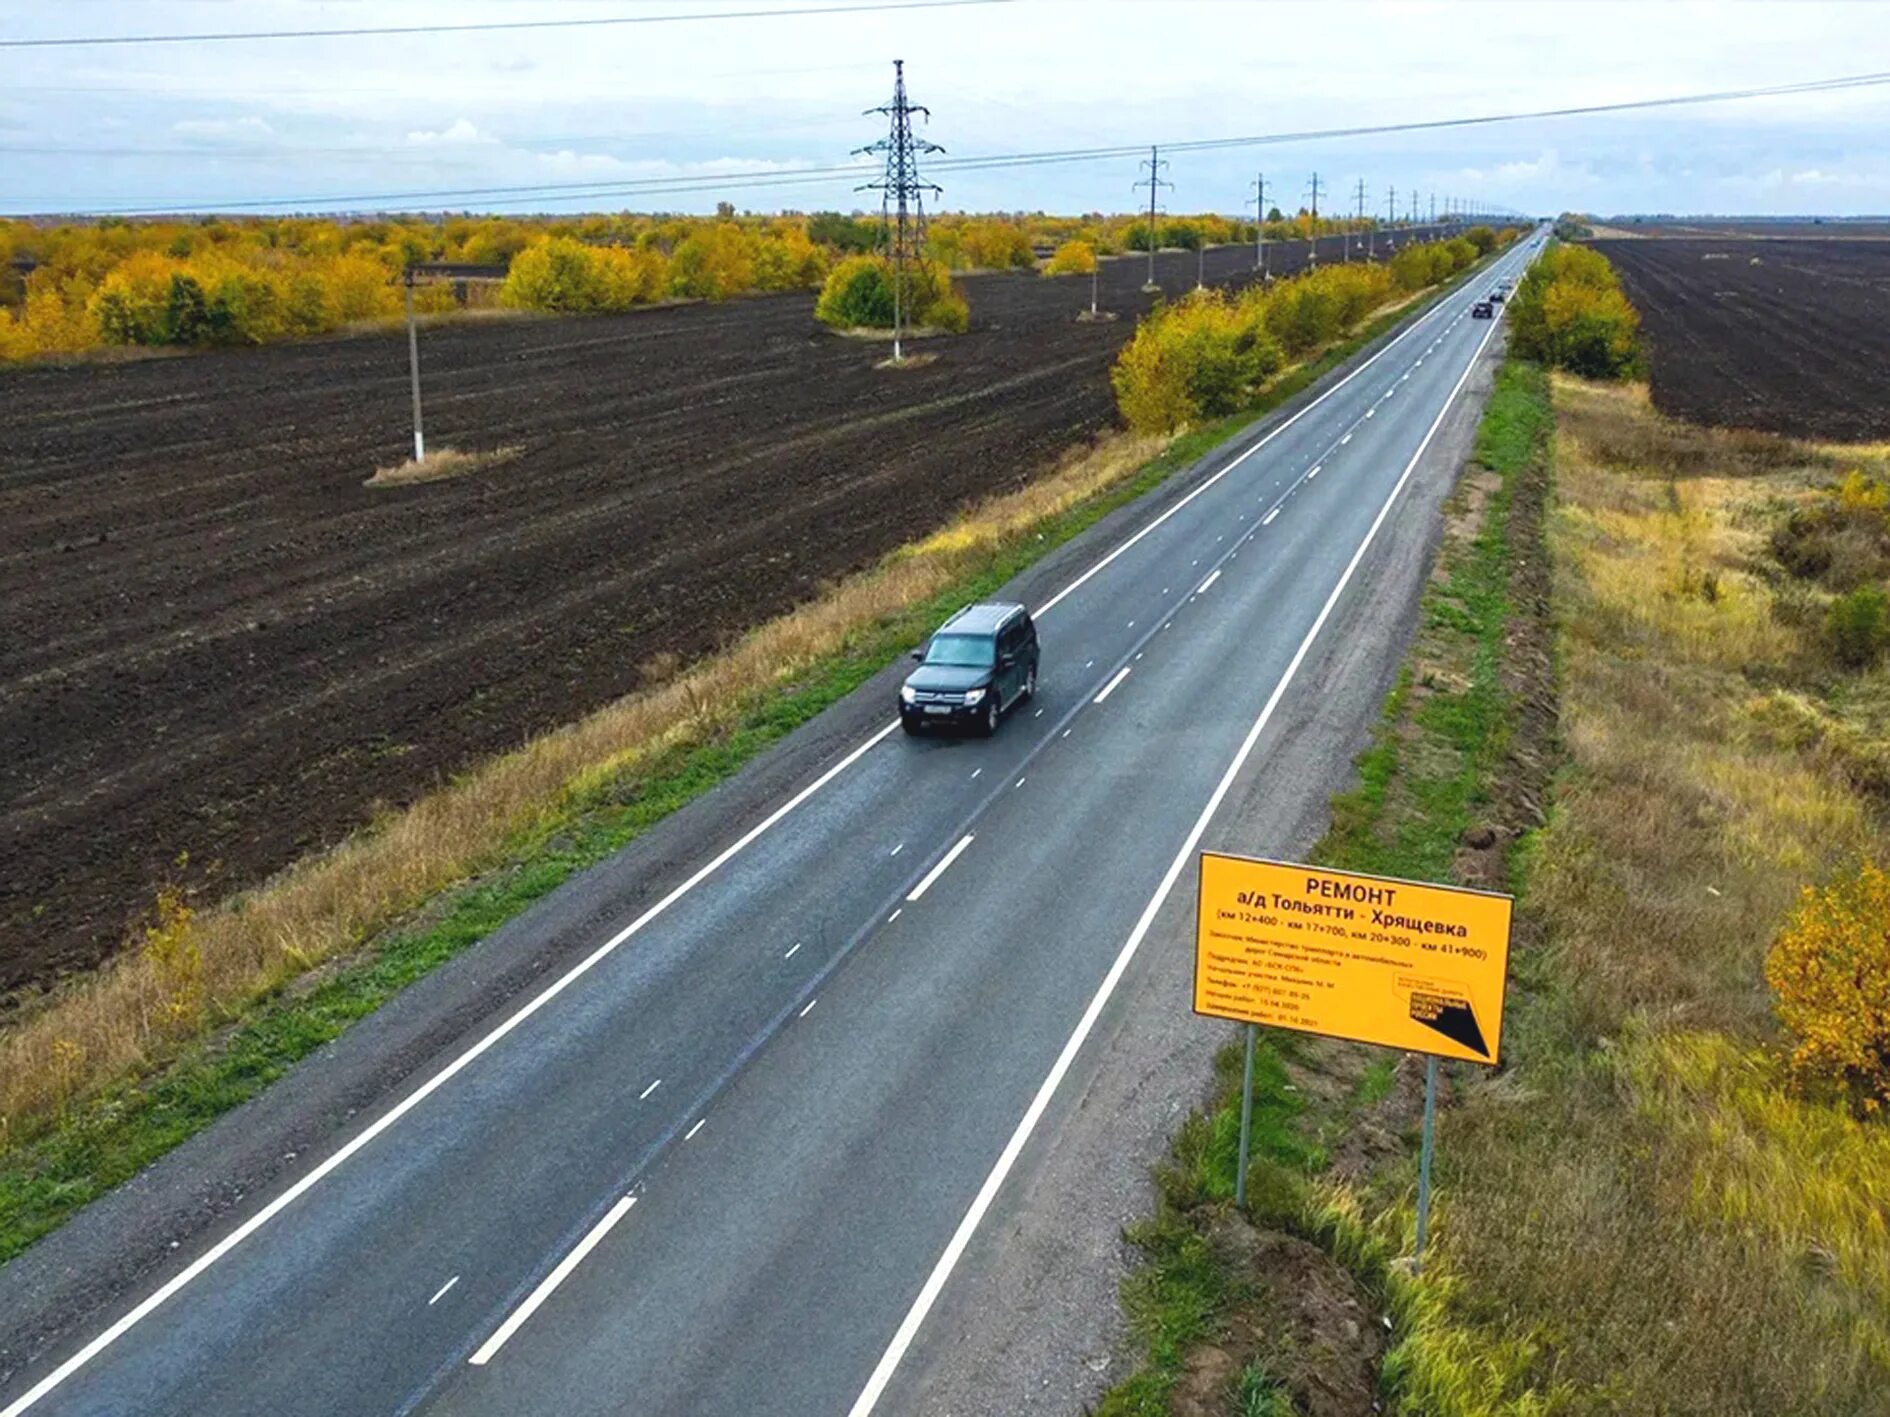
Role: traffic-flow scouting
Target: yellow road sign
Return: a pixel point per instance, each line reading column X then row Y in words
column 1368, row 958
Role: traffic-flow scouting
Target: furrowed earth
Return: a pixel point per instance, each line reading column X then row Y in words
column 1782, row 335
column 219, row 650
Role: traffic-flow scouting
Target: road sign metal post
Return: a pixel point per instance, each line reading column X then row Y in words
column 1246, row 1121
column 1401, row 964
column 413, row 369
column 1424, row 1162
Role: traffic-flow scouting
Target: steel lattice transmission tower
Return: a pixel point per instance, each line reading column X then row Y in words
column 902, row 193
column 1154, row 162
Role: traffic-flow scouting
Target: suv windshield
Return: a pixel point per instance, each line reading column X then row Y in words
column 961, row 651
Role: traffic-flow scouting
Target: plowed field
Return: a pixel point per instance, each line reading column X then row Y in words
column 216, row 644
column 1786, row 336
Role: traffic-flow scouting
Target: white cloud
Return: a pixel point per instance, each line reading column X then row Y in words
column 566, row 162
column 219, row 128
column 1818, row 177
column 462, row 133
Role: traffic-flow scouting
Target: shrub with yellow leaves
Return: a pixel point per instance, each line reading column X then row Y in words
column 1072, row 258
column 1830, row 970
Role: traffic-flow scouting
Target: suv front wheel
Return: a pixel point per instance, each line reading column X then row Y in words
column 988, row 722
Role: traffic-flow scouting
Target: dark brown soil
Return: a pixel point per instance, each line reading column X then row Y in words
column 1787, row 336
column 1768, row 228
column 1309, row 1327
column 217, row 644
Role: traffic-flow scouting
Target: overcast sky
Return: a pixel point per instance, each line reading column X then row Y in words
column 185, row 126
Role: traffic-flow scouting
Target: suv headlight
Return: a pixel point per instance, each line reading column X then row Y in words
column 906, row 694
column 973, row 696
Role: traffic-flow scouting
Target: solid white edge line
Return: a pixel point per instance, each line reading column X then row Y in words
column 524, row 1311
column 426, row 1089
column 1110, row 687
column 939, row 870
column 935, row 1282
column 137, row 1314
column 1402, row 335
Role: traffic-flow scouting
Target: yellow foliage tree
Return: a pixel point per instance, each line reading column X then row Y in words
column 1072, row 258
column 1830, row 970
column 1198, row 358
column 859, row 295
column 713, row 264
column 562, row 275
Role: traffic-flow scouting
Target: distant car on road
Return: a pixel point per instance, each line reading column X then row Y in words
column 1496, row 296
column 1483, row 310
column 979, row 663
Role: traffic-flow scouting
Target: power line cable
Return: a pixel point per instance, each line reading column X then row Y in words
column 478, row 27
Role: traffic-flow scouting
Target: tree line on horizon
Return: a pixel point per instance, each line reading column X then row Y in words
column 74, row 286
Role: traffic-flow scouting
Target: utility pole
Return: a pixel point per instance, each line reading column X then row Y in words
column 1260, row 224
column 1391, row 215
column 900, row 190
column 1312, row 256
column 1414, row 208
column 1155, row 183
column 1361, row 219
column 1433, row 209
column 413, row 366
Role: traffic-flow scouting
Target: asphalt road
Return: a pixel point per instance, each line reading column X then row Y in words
column 729, row 1160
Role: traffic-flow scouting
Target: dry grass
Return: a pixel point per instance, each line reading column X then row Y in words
column 884, row 334
column 907, row 361
column 202, row 969
column 440, row 464
column 1642, row 1217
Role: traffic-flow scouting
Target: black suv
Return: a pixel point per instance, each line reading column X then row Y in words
column 979, row 663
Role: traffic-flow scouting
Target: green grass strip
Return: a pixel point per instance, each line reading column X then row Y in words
column 1420, row 786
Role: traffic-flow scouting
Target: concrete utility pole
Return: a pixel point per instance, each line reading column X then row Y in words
column 901, row 190
column 462, row 275
column 1154, row 181
column 1260, row 224
column 1361, row 219
column 1433, row 209
column 1312, row 250
column 413, row 367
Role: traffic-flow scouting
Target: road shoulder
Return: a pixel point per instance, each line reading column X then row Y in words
column 1031, row 1324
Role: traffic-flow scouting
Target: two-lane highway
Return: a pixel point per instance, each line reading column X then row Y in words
column 727, row 1163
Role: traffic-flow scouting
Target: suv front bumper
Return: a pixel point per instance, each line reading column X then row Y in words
column 945, row 715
